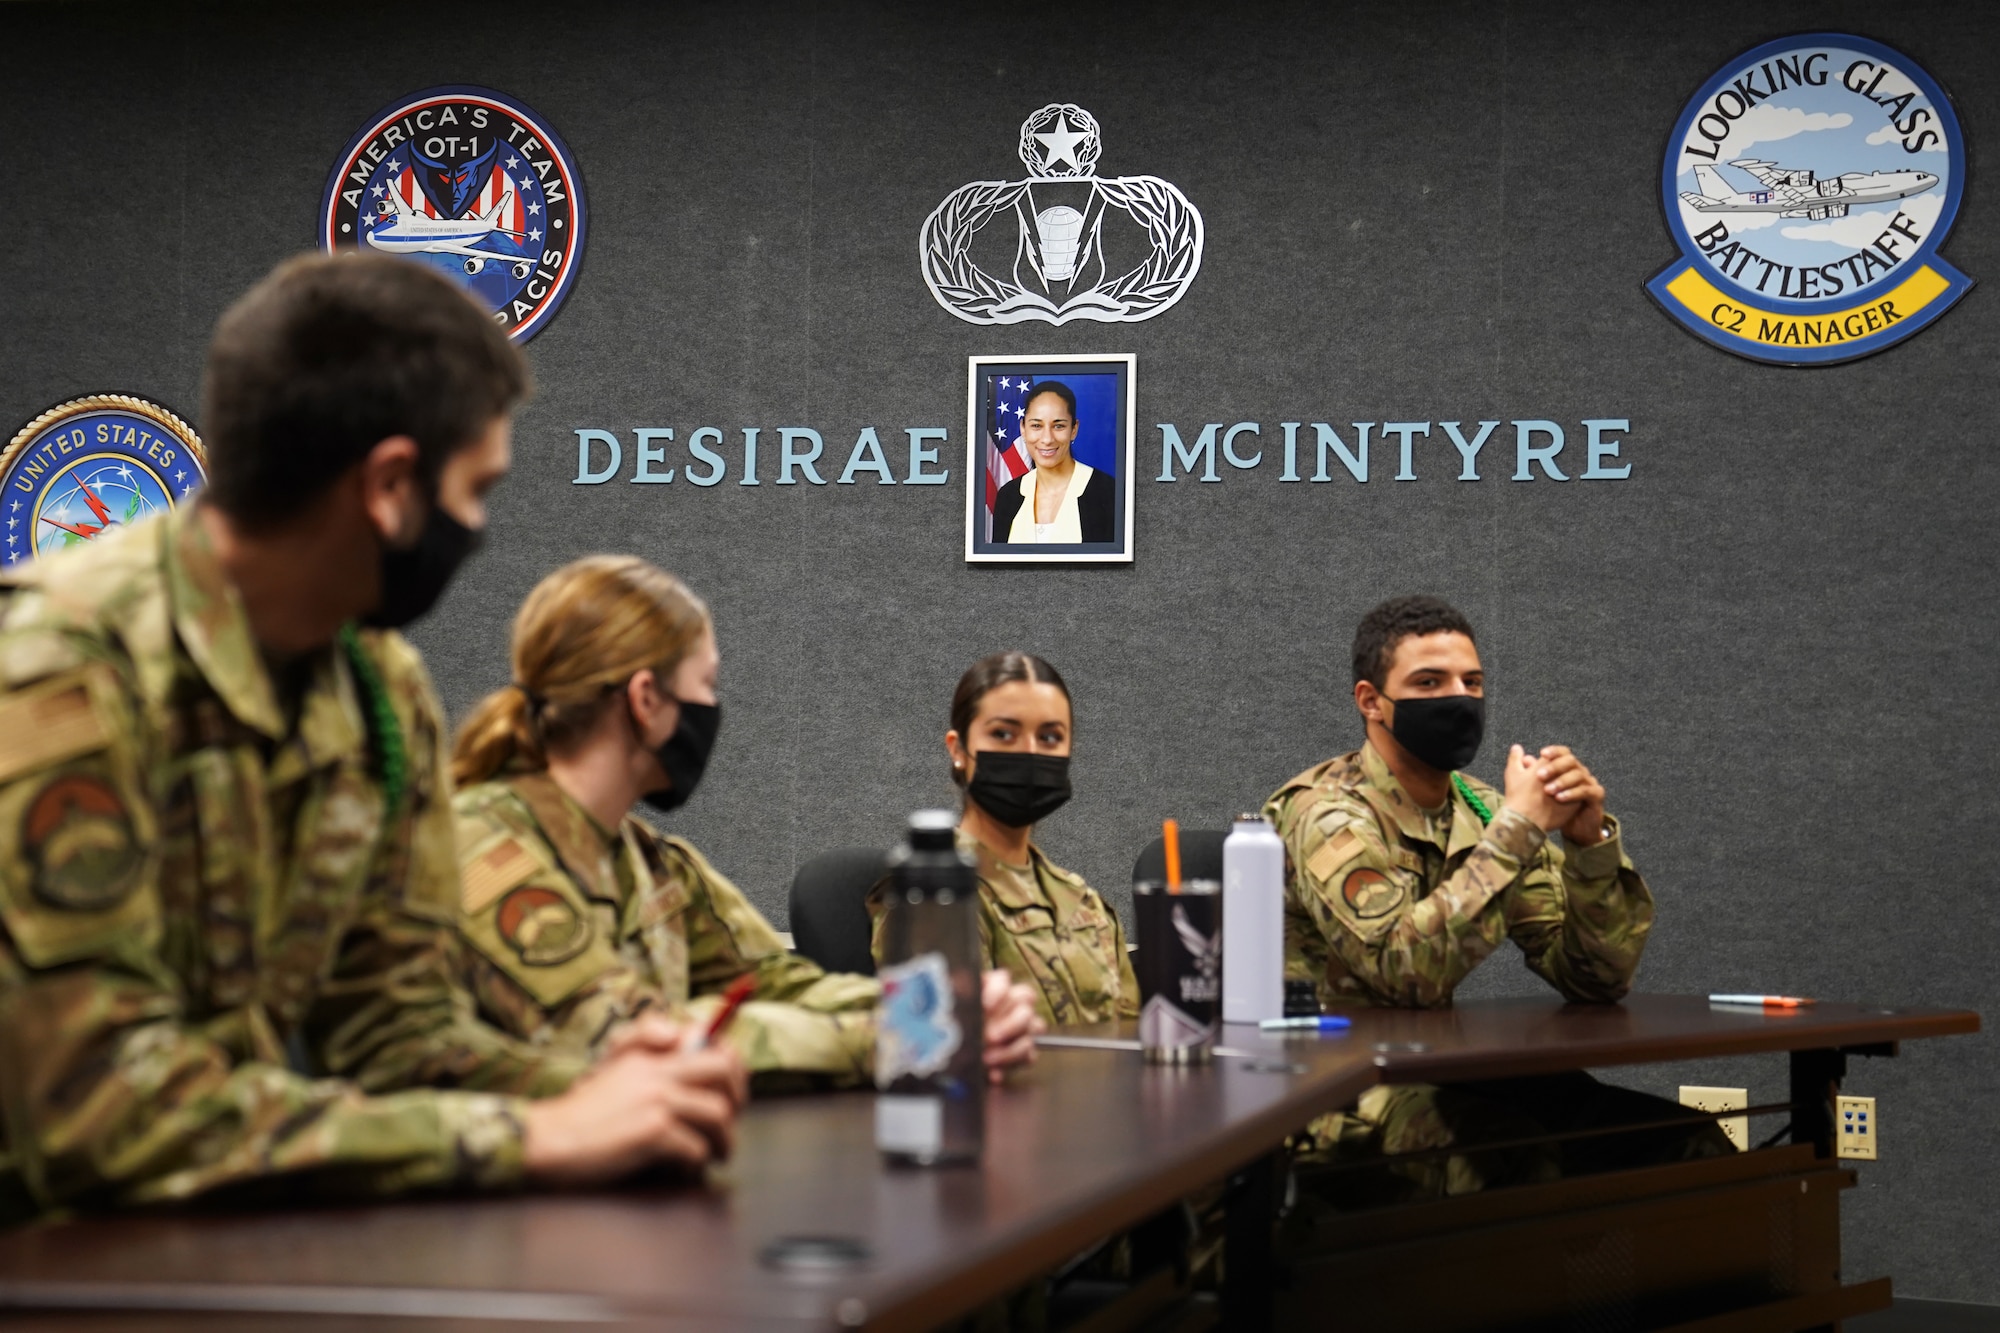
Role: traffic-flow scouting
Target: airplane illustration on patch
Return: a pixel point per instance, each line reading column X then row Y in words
column 401, row 230
column 1797, row 194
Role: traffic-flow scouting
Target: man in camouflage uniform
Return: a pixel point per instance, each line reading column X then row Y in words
column 576, row 929
column 1404, row 874
column 227, row 872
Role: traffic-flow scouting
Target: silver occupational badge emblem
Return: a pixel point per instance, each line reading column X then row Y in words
column 1060, row 261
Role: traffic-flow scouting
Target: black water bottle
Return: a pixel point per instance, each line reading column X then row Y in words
column 930, row 1035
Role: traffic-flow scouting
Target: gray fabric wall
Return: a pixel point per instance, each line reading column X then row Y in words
column 1769, row 642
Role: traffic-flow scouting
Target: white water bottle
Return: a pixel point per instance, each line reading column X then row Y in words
column 1253, row 922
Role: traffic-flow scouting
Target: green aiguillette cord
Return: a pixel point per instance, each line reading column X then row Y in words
column 384, row 731
column 1479, row 807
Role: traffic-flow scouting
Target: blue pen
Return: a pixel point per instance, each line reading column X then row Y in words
column 1316, row 1023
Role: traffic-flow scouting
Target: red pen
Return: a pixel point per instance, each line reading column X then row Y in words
column 732, row 1000
column 1767, row 1001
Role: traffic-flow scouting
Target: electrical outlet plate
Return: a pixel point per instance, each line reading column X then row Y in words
column 1737, row 1127
column 1854, row 1128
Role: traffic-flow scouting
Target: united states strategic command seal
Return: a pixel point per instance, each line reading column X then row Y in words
column 470, row 181
column 90, row 465
column 1809, row 185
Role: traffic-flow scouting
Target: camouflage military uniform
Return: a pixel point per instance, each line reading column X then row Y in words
column 1390, row 904
column 575, row 928
column 1046, row 927
column 214, row 932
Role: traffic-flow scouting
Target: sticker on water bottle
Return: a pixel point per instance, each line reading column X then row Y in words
column 912, row 1125
column 919, row 1031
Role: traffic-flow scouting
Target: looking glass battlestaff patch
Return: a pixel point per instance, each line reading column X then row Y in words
column 89, row 465
column 1808, row 186
column 473, row 183
column 77, row 836
column 542, row 926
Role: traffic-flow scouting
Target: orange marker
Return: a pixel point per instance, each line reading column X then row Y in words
column 1171, row 831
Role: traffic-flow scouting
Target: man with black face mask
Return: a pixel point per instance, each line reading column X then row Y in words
column 1404, row 874
column 227, row 872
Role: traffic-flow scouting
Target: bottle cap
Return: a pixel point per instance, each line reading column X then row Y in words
column 1252, row 818
column 933, row 829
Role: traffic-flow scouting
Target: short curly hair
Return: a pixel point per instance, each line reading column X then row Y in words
column 1395, row 620
column 332, row 354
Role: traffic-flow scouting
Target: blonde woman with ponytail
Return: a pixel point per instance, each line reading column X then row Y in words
column 581, row 916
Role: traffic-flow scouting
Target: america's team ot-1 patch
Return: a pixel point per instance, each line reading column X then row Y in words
column 474, row 183
column 90, row 465
column 1809, row 185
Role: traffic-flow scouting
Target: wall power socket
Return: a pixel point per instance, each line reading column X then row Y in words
column 1855, row 1128
column 1737, row 1127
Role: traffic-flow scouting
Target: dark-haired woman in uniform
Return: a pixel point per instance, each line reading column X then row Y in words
column 579, row 916
column 1009, row 746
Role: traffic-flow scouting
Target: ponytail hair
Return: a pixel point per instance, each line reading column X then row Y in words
column 582, row 633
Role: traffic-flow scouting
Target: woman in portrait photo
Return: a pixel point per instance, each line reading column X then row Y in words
column 1058, row 500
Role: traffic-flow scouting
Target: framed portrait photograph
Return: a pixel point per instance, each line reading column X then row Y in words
column 1049, row 459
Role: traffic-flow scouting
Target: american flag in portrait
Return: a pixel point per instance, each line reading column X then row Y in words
column 1006, row 458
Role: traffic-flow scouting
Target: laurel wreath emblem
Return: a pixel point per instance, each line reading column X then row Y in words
column 1173, row 228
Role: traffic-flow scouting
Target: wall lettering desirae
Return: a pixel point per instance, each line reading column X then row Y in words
column 1518, row 449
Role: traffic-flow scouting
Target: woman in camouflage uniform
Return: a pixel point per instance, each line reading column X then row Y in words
column 579, row 915
column 1009, row 745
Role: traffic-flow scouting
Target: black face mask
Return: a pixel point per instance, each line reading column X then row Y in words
column 684, row 755
column 1019, row 789
column 1443, row 732
column 414, row 577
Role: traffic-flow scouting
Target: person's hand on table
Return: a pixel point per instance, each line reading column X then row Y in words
column 1011, row 1023
column 1565, row 779
column 647, row 1102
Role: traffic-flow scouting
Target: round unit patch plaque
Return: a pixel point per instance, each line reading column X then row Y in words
column 92, row 464
column 474, row 183
column 1808, row 185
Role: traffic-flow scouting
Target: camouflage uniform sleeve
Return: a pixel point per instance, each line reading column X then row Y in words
column 1346, row 883
column 1580, row 916
column 801, row 1018
column 1128, row 980
column 537, row 965
column 394, row 1012
column 108, row 1094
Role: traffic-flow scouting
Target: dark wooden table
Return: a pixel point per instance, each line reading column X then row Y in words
column 1090, row 1142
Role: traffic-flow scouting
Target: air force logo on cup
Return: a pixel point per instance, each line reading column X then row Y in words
column 1809, row 185
column 90, row 465
column 1082, row 246
column 474, row 183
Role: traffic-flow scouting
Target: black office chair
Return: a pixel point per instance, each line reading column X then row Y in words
column 1201, row 856
column 829, row 908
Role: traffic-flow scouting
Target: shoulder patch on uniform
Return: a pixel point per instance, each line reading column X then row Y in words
column 78, row 838
column 1370, row 894
column 542, row 926
column 1332, row 853
column 48, row 724
column 495, row 871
